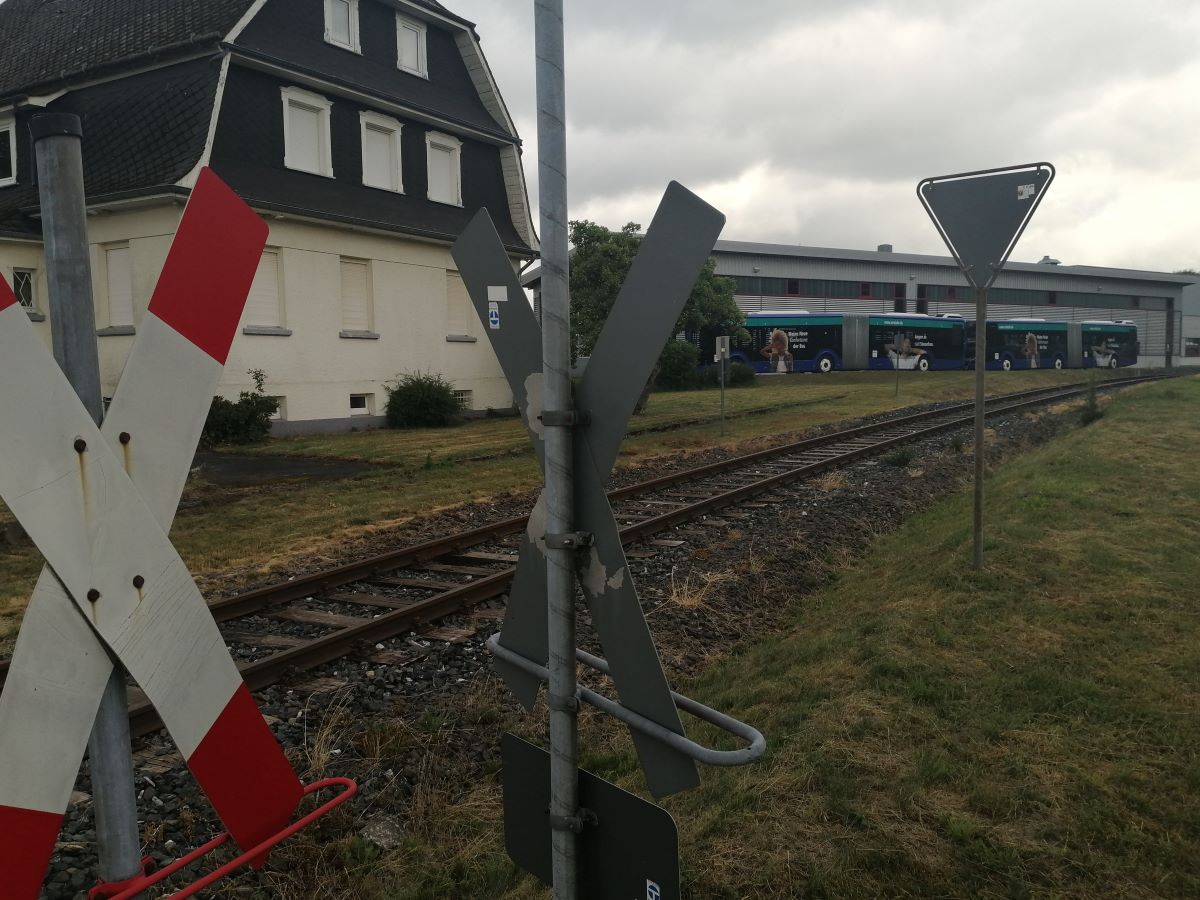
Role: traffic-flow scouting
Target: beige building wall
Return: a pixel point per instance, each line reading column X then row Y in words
column 419, row 316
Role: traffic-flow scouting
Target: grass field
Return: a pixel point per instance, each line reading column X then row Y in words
column 309, row 524
column 1030, row 730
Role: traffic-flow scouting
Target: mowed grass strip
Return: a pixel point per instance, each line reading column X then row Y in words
column 253, row 531
column 1030, row 730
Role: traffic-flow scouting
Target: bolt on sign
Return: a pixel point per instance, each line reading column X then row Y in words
column 97, row 502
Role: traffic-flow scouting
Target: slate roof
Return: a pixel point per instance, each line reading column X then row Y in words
column 48, row 42
column 141, row 134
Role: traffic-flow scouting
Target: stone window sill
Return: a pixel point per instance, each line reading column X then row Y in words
column 359, row 335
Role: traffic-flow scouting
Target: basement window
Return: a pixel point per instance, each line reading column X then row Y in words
column 362, row 404
column 8, row 151
column 463, row 398
column 22, row 285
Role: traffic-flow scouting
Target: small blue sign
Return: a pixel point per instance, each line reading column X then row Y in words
column 494, row 319
column 653, row 891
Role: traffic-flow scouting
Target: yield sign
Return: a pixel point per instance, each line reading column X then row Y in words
column 97, row 501
column 980, row 215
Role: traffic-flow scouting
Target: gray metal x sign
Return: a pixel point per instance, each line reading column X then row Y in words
column 671, row 255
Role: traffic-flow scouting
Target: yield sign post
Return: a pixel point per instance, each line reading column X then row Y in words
column 981, row 216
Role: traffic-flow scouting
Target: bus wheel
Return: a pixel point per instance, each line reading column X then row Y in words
column 1006, row 365
column 824, row 365
column 1112, row 361
column 1058, row 364
column 923, row 364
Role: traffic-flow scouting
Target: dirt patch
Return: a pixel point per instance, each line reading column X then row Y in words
column 241, row 469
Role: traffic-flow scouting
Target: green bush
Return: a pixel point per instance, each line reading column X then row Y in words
column 677, row 366
column 741, row 374
column 243, row 422
column 422, row 400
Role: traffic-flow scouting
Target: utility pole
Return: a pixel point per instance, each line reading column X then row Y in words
column 57, row 146
column 556, row 389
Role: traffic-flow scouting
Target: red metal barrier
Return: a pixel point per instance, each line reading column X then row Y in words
column 128, row 889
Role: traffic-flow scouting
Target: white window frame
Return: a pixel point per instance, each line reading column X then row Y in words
column 8, row 124
column 355, row 45
column 321, row 106
column 108, row 294
column 377, row 122
column 368, row 408
column 454, row 145
column 33, row 294
column 421, row 30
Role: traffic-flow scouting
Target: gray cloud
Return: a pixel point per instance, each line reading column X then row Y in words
column 812, row 123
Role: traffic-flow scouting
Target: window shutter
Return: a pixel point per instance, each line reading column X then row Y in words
column 441, row 175
column 460, row 314
column 262, row 306
column 355, row 310
column 379, row 169
column 409, row 47
column 304, row 142
column 120, row 286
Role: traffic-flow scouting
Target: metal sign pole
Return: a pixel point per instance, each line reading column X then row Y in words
column 560, row 516
column 57, row 139
column 981, row 216
column 980, row 365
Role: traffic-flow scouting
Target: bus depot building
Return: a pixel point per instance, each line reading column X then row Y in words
column 780, row 278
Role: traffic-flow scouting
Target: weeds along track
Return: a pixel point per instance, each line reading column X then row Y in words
column 280, row 630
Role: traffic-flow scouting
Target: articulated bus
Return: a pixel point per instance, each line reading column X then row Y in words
column 782, row 342
column 803, row 342
column 1039, row 344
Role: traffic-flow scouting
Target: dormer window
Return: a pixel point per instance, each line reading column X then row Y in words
column 410, row 46
column 8, row 151
column 341, row 23
column 306, row 132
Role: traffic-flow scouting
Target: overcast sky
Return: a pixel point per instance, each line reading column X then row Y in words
column 812, row 122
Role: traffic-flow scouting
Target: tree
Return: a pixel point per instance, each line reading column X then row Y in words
column 601, row 261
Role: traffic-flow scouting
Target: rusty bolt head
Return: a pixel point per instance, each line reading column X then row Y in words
column 80, row 445
column 124, row 438
column 93, row 595
column 138, row 581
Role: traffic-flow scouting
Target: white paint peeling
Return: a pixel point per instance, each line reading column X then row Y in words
column 533, row 405
column 536, row 526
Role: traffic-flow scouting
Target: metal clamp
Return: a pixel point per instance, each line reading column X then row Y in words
column 565, row 418
column 564, row 703
column 571, row 540
column 648, row 727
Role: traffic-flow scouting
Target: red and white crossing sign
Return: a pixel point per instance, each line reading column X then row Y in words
column 97, row 502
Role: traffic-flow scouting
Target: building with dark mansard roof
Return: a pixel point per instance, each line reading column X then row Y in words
column 366, row 132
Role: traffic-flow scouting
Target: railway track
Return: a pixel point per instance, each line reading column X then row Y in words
column 331, row 614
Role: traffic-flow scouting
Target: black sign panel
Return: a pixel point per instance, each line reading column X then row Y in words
column 980, row 215
column 630, row 851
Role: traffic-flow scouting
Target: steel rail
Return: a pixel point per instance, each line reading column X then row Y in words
column 326, row 648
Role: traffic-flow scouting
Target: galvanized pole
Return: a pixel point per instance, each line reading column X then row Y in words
column 556, row 391
column 980, row 363
column 722, row 396
column 57, row 139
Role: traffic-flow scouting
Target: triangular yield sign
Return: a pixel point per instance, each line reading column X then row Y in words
column 980, row 215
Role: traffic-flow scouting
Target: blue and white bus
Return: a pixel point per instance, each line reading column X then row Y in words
column 785, row 342
column 1042, row 344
